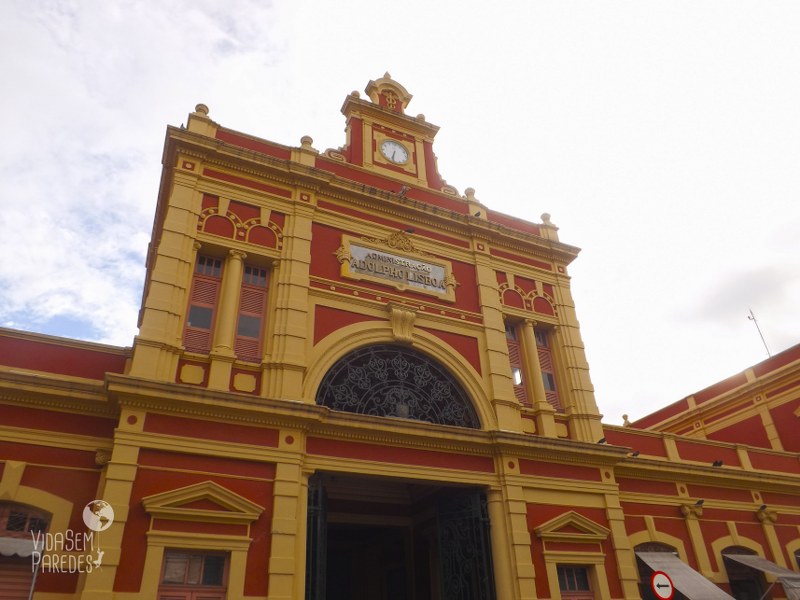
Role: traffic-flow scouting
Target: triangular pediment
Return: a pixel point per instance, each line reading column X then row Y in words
column 206, row 501
column 572, row 527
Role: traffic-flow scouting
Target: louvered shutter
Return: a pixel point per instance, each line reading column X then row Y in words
column 16, row 577
column 252, row 308
column 549, row 377
column 202, row 309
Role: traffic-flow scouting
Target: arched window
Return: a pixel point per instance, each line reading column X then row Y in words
column 396, row 381
column 646, row 571
column 746, row 582
column 18, row 524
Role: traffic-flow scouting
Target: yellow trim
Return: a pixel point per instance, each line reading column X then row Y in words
column 170, row 505
column 591, row 532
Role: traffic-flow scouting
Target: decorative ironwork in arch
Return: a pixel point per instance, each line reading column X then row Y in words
column 395, row 381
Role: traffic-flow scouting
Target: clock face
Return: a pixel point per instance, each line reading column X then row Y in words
column 394, row 152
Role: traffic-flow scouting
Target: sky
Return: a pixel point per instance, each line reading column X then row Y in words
column 662, row 137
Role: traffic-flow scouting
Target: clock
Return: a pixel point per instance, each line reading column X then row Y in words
column 394, row 152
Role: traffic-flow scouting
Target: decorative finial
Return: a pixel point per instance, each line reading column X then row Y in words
column 625, row 422
column 546, row 219
column 355, row 94
column 202, row 109
column 421, row 117
column 470, row 193
column 306, row 142
column 386, row 75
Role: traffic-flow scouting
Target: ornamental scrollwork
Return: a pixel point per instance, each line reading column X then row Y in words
column 396, row 381
column 399, row 240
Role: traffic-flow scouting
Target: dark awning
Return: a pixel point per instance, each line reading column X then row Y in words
column 686, row 580
column 790, row 580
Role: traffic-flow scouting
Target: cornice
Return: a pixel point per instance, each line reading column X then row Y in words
column 720, row 403
column 672, row 471
column 320, row 421
column 191, row 401
column 291, row 173
column 68, row 342
column 355, row 106
column 52, row 392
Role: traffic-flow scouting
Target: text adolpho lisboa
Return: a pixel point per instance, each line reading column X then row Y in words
column 73, row 551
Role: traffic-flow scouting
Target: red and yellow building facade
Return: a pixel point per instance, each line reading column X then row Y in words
column 351, row 381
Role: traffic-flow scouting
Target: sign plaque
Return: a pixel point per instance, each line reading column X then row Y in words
column 395, row 261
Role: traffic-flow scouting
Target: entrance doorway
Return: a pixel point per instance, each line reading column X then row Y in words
column 382, row 539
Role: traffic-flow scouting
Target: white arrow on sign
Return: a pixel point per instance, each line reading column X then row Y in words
column 662, row 586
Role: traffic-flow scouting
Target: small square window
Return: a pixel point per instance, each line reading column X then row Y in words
column 249, row 326
column 573, row 579
column 254, row 276
column 208, row 266
column 549, row 381
column 16, row 521
column 511, row 332
column 200, row 317
column 200, row 569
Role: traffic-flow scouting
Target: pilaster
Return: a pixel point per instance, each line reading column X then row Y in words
column 285, row 362
column 768, row 519
column 511, row 544
column 579, row 402
column 623, row 552
column 501, row 389
column 287, row 555
column 158, row 346
column 692, row 516
column 120, row 473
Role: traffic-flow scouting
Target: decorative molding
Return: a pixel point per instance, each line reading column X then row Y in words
column 397, row 241
column 587, row 530
column 767, row 516
column 402, row 318
column 691, row 511
column 102, row 457
column 234, row 509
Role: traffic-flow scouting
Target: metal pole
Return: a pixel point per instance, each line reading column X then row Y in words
column 752, row 317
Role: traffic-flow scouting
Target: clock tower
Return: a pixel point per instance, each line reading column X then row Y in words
column 381, row 137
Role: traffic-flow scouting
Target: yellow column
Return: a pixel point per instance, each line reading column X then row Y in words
column 159, row 344
column 579, row 402
column 287, row 560
column 222, row 355
column 626, row 560
column 503, row 571
column 515, row 577
column 498, row 366
column 116, row 490
column 285, row 360
column 693, row 514
column 768, row 519
column 545, row 423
